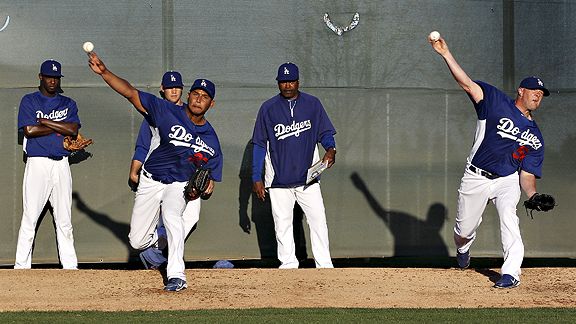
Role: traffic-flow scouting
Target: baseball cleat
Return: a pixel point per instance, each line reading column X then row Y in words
column 507, row 281
column 152, row 258
column 463, row 259
column 175, row 284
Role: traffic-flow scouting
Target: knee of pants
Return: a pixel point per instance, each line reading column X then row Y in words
column 138, row 244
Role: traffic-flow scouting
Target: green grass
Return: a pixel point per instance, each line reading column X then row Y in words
column 305, row 315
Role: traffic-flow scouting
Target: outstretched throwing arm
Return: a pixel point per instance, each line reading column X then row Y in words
column 118, row 84
column 471, row 87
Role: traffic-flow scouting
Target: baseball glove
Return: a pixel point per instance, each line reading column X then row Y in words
column 198, row 184
column 539, row 202
column 76, row 143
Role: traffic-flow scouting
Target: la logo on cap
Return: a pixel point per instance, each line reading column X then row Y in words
column 172, row 78
column 286, row 71
column 540, row 83
column 54, row 68
column 203, row 83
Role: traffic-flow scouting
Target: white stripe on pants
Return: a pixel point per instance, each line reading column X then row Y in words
column 46, row 180
column 474, row 193
column 310, row 199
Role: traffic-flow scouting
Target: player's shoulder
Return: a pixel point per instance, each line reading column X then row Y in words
column 148, row 97
column 306, row 97
column 270, row 105
column 273, row 101
column 487, row 87
column 310, row 101
column 31, row 96
column 208, row 129
column 65, row 102
column 38, row 97
column 66, row 99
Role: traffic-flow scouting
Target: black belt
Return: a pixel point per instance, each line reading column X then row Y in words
column 483, row 173
column 150, row 176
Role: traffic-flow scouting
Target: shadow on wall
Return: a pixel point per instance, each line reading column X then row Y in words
column 261, row 213
column 120, row 230
column 412, row 236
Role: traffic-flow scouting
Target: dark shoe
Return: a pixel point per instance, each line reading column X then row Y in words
column 507, row 281
column 463, row 259
column 175, row 284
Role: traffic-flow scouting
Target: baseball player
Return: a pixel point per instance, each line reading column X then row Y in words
column 148, row 139
column 186, row 138
column 507, row 156
column 45, row 117
column 288, row 128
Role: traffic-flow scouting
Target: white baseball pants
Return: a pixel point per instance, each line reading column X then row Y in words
column 46, row 180
column 310, row 199
column 504, row 192
column 150, row 198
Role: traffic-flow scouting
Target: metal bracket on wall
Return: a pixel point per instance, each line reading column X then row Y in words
column 341, row 30
column 5, row 24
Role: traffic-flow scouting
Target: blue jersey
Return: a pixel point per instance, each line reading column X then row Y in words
column 506, row 141
column 290, row 131
column 58, row 108
column 143, row 142
column 183, row 147
column 148, row 139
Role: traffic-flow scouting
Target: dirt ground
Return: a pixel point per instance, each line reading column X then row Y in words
column 126, row 290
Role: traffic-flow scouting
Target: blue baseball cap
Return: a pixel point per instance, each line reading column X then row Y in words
column 172, row 79
column 51, row 68
column 534, row 83
column 287, row 72
column 205, row 85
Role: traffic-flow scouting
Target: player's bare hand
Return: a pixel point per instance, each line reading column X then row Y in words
column 133, row 185
column 439, row 45
column 259, row 190
column 96, row 64
column 133, row 181
column 210, row 188
column 330, row 157
column 208, row 193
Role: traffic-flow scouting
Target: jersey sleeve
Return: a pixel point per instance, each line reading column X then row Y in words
column 216, row 164
column 258, row 157
column 533, row 162
column 153, row 107
column 26, row 114
column 73, row 109
column 326, row 130
column 143, row 142
column 260, row 136
column 491, row 95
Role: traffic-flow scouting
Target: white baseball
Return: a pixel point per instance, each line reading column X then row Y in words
column 434, row 36
column 88, row 47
